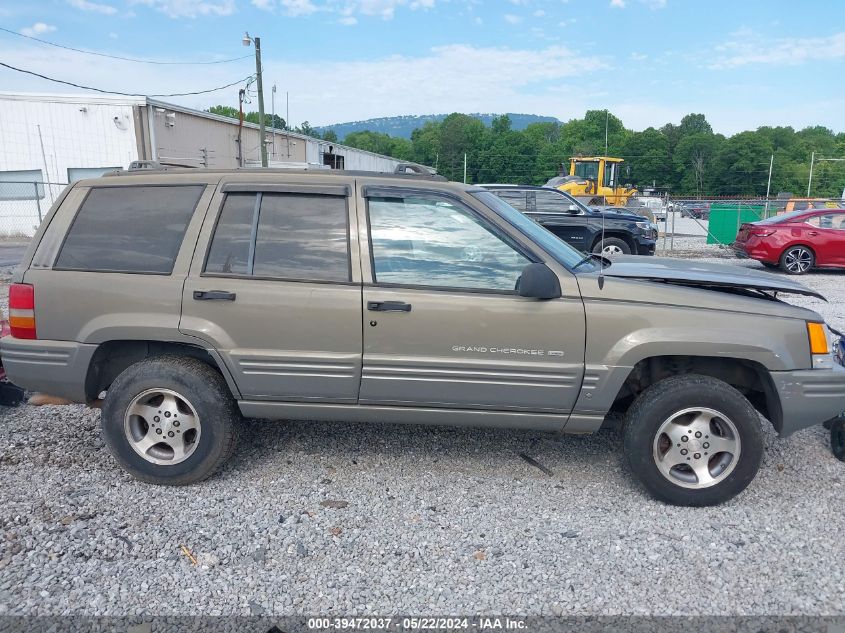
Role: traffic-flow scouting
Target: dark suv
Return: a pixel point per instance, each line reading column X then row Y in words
column 580, row 226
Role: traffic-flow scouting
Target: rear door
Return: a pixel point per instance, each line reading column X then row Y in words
column 444, row 326
column 272, row 289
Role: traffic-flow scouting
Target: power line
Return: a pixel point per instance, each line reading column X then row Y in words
column 124, row 94
column 125, row 59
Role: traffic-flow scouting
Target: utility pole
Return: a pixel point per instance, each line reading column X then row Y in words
column 810, row 182
column 465, row 168
column 273, row 107
column 247, row 40
column 287, row 119
column 769, row 185
column 241, row 94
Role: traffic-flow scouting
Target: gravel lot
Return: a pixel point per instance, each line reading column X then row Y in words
column 356, row 519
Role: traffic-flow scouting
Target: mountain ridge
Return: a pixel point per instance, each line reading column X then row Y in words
column 404, row 125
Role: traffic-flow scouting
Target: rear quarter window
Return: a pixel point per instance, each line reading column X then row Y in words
column 134, row 229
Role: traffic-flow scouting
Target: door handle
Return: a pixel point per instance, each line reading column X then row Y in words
column 812, row 232
column 214, row 295
column 388, row 306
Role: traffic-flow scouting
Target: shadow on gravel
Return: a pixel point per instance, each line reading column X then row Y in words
column 263, row 443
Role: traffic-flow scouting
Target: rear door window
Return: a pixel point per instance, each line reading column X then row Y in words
column 299, row 237
column 134, row 229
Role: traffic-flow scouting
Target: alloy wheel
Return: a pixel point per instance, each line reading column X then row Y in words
column 611, row 251
column 798, row 260
column 696, row 448
column 162, row 426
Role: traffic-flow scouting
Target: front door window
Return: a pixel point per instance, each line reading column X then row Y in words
column 418, row 241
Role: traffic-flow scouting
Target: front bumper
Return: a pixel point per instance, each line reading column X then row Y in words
column 809, row 397
column 645, row 246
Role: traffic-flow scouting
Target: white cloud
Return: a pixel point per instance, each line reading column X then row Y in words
column 96, row 7
column 190, row 8
column 348, row 20
column 551, row 80
column 503, row 79
column 384, row 9
column 39, row 28
column 655, row 4
column 617, row 4
column 747, row 47
column 113, row 35
column 298, row 7
column 539, row 13
column 510, row 18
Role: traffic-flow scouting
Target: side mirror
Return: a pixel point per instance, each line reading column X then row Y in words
column 537, row 281
column 573, row 209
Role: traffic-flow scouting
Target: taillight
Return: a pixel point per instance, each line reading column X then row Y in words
column 762, row 232
column 22, row 310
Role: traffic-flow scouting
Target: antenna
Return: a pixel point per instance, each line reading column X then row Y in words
column 603, row 211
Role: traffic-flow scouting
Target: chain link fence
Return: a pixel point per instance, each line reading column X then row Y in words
column 712, row 224
column 23, row 206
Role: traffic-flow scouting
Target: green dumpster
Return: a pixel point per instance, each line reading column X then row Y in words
column 727, row 217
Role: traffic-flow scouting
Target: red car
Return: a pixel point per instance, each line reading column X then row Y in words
column 797, row 241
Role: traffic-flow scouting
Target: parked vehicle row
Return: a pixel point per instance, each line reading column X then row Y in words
column 610, row 232
column 186, row 299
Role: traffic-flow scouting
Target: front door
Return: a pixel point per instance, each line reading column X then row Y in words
column 275, row 294
column 443, row 324
column 827, row 238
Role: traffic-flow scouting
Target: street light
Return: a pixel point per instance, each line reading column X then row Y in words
column 247, row 40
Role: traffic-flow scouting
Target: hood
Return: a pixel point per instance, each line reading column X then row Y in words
column 697, row 274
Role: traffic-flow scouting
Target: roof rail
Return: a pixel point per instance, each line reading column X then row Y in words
column 153, row 165
column 412, row 168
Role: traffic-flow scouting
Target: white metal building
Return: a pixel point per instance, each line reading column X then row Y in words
column 49, row 140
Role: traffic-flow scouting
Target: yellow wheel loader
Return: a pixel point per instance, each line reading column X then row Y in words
column 595, row 181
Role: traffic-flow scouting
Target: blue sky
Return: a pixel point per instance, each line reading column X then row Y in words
column 742, row 63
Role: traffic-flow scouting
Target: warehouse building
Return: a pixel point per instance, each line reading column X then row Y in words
column 50, row 140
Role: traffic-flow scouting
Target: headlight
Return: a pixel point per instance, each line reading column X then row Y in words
column 644, row 226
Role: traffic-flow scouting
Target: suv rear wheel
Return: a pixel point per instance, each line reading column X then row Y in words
column 612, row 246
column 170, row 420
column 693, row 440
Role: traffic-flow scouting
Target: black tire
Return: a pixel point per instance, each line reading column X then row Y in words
column 769, row 265
column 666, row 398
column 837, row 438
column 205, row 390
column 797, row 260
column 613, row 243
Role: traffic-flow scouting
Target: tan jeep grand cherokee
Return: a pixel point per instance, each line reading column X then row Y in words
column 193, row 297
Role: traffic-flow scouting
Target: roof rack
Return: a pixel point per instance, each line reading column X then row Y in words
column 154, row 165
column 402, row 170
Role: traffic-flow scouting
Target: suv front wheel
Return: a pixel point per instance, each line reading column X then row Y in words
column 612, row 246
column 693, row 440
column 170, row 420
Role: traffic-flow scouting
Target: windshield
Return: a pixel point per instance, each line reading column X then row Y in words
column 557, row 248
column 588, row 170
